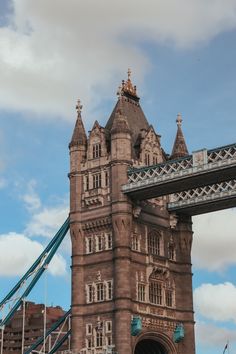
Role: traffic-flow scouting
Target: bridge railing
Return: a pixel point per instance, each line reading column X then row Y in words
column 193, row 196
column 221, row 155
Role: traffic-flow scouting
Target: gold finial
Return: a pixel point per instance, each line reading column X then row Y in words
column 129, row 73
column 127, row 88
column 179, row 120
column 79, row 106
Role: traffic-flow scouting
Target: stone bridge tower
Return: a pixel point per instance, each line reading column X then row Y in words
column 130, row 258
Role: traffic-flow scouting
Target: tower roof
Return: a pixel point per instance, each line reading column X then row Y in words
column 128, row 104
column 180, row 148
column 79, row 135
column 120, row 123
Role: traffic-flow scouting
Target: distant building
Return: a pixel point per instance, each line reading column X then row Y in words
column 130, row 258
column 34, row 327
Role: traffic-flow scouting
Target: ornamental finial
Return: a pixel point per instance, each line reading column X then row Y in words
column 179, row 120
column 79, row 106
column 129, row 73
column 127, row 88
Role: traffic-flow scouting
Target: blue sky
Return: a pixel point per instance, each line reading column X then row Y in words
column 182, row 55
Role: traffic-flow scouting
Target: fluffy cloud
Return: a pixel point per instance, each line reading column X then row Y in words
column 214, row 241
column 47, row 221
column 31, row 198
column 54, row 50
column 215, row 337
column 216, row 302
column 17, row 253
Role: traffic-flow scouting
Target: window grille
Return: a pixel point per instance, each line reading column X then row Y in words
column 97, row 180
column 96, row 151
column 108, row 241
column 89, row 245
column 141, row 292
column 155, row 293
column 100, row 291
column 154, row 243
column 169, row 297
column 171, row 251
column 109, row 290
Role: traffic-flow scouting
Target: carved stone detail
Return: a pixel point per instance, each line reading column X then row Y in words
column 97, row 224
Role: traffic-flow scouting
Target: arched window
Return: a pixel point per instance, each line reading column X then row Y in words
column 154, row 243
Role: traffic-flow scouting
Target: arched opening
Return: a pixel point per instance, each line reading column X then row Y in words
column 149, row 346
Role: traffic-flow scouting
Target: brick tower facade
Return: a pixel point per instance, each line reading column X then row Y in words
column 129, row 258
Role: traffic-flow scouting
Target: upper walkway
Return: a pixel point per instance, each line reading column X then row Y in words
column 193, row 181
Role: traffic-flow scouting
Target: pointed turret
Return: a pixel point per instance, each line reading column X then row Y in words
column 120, row 123
column 120, row 136
column 180, row 147
column 128, row 104
column 79, row 135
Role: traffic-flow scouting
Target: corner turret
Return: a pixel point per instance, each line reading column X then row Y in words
column 180, row 148
column 120, row 136
column 79, row 136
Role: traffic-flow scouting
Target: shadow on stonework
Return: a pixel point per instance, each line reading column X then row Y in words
column 149, row 346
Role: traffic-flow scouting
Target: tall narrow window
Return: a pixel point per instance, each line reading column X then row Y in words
column 89, row 329
column 89, row 342
column 135, row 242
column 147, row 159
column 155, row 293
column 109, row 290
column 97, row 180
column 141, row 292
column 154, row 243
column 109, row 340
column 99, row 243
column 108, row 326
column 96, row 150
column 155, row 160
column 100, row 291
column 99, row 338
column 108, row 241
column 171, row 251
column 169, row 297
column 89, row 245
column 86, row 183
column 89, row 293
column 106, row 178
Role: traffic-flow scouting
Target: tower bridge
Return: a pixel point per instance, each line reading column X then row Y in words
column 131, row 257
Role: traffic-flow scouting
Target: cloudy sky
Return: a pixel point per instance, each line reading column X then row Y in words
column 182, row 55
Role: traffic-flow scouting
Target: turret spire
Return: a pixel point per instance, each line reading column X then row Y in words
column 79, row 135
column 180, row 148
column 127, row 88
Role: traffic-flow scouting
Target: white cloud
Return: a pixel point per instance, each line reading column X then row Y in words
column 17, row 254
column 31, row 198
column 47, row 221
column 214, row 240
column 215, row 337
column 216, row 302
column 55, row 50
